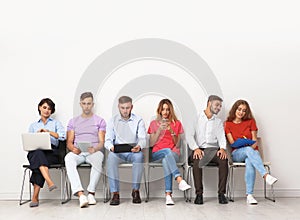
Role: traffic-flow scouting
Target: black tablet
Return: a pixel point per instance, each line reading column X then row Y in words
column 122, row 148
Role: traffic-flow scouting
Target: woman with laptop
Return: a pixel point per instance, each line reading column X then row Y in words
column 40, row 159
column 165, row 133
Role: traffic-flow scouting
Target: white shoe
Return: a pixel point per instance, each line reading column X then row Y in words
column 83, row 201
column 169, row 200
column 91, row 199
column 270, row 179
column 183, row 185
column 251, row 200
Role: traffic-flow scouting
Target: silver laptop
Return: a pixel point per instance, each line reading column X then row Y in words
column 84, row 145
column 34, row 141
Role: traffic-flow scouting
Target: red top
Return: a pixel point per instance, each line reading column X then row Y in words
column 165, row 139
column 240, row 130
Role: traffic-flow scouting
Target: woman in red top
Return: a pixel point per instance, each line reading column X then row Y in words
column 241, row 124
column 165, row 133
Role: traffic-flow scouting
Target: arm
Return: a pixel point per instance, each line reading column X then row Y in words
column 222, row 141
column 141, row 135
column 70, row 142
column 109, row 136
column 99, row 146
column 254, row 137
column 230, row 138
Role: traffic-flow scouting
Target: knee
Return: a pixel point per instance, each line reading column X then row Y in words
column 98, row 156
column 69, row 158
column 112, row 159
column 137, row 157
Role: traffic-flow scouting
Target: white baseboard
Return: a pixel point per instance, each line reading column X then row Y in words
column 126, row 193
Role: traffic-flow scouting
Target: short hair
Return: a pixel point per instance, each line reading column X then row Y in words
column 125, row 99
column 214, row 98
column 86, row 95
column 49, row 102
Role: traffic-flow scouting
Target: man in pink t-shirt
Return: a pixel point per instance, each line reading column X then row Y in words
column 86, row 129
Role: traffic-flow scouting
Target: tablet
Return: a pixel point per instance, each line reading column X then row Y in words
column 122, row 148
column 84, row 145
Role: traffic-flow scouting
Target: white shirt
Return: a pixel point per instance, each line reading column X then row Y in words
column 207, row 133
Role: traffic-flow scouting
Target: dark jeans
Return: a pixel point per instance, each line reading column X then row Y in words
column 39, row 158
column 223, row 172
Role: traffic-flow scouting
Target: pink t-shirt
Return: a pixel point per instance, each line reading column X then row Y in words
column 165, row 139
column 87, row 129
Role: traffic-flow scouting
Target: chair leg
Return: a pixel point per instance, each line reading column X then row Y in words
column 147, row 182
column 189, row 180
column 146, row 185
column 106, row 192
column 272, row 188
column 231, row 185
column 21, row 202
column 66, row 191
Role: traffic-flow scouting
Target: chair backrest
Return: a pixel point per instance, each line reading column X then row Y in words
column 62, row 151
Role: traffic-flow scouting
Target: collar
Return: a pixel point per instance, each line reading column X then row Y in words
column 132, row 116
column 203, row 115
column 49, row 119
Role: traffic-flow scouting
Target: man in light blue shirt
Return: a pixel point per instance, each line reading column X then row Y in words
column 125, row 128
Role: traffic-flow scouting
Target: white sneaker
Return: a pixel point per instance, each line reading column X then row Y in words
column 183, row 185
column 251, row 200
column 91, row 199
column 169, row 200
column 83, row 201
column 270, row 179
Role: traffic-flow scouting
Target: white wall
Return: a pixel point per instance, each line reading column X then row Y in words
column 253, row 49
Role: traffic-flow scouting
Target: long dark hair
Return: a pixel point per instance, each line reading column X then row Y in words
column 235, row 106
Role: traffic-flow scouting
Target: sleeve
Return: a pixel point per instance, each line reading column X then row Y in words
column 110, row 135
column 102, row 125
column 152, row 128
column 70, row 126
column 31, row 129
column 221, row 135
column 253, row 126
column 141, row 134
column 60, row 130
column 179, row 129
column 191, row 131
column 227, row 127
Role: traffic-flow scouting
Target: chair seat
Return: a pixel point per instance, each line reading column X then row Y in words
column 242, row 164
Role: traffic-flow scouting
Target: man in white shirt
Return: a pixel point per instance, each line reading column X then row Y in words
column 208, row 142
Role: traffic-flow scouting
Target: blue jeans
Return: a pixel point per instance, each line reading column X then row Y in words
column 253, row 161
column 113, row 161
column 168, row 158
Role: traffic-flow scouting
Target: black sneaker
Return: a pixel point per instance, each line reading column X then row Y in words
column 222, row 199
column 199, row 199
column 115, row 199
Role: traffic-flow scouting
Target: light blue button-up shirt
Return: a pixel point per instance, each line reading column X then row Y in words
column 121, row 131
column 51, row 125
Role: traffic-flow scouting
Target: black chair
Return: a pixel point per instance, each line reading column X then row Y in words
column 65, row 192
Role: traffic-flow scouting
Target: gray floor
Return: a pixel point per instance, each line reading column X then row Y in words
column 283, row 208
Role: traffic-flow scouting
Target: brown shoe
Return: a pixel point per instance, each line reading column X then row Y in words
column 115, row 199
column 136, row 196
